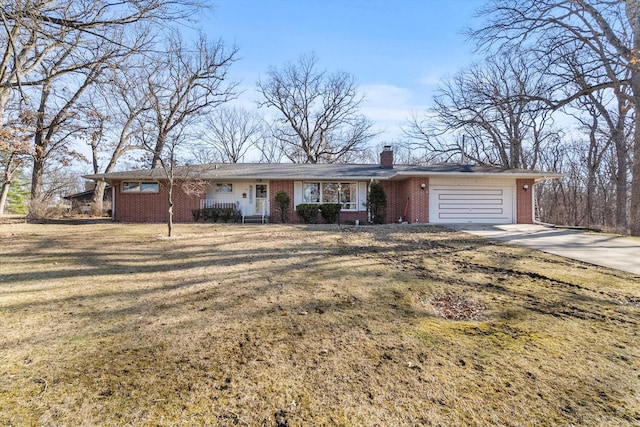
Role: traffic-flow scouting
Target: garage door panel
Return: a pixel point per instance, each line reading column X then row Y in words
column 444, row 209
column 464, row 217
column 481, row 204
column 456, row 202
column 470, row 193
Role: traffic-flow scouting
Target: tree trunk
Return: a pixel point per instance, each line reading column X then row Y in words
column 634, row 228
column 3, row 195
column 621, row 187
column 634, row 217
column 40, row 144
column 37, row 178
column 7, row 178
column 98, row 198
column 170, row 213
column 591, row 179
column 156, row 162
column 633, row 15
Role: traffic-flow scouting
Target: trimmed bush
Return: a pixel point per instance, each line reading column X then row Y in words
column 308, row 212
column 225, row 214
column 377, row 203
column 282, row 204
column 330, row 212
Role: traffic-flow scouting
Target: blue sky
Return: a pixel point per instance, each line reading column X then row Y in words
column 396, row 50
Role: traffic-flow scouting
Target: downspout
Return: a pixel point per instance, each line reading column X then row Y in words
column 369, row 210
column 113, row 202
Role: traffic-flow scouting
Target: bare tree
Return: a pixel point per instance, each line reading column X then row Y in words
column 609, row 30
column 271, row 149
column 492, row 107
column 53, row 51
column 114, row 118
column 35, row 30
column 605, row 117
column 182, row 85
column 318, row 119
column 57, row 117
column 231, row 132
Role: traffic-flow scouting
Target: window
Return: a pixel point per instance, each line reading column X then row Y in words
column 149, row 187
column 222, row 187
column 311, row 192
column 139, row 187
column 344, row 193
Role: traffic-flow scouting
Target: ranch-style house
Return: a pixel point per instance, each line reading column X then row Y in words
column 444, row 193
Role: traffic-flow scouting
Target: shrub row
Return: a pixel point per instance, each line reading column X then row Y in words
column 215, row 214
column 308, row 212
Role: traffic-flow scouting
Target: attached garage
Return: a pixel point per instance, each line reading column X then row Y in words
column 471, row 202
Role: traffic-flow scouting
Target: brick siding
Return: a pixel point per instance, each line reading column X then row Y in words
column 524, row 201
column 154, row 207
column 274, row 188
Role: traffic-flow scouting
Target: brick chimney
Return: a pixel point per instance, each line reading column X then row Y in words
column 386, row 157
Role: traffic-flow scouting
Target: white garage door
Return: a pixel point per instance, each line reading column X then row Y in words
column 475, row 204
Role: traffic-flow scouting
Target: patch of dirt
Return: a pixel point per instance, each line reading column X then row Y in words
column 456, row 307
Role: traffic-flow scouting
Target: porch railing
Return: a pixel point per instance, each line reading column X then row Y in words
column 264, row 213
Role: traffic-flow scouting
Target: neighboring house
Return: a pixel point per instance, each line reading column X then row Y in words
column 445, row 193
column 81, row 202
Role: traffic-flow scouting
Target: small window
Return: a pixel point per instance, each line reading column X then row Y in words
column 149, row 187
column 139, row 187
column 222, row 187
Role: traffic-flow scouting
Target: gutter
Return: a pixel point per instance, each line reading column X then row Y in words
column 536, row 176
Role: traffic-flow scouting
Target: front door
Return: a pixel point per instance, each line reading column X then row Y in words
column 261, row 199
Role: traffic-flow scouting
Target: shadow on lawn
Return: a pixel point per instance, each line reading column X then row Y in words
column 402, row 248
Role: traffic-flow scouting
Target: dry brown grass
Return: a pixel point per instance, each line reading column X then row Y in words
column 273, row 325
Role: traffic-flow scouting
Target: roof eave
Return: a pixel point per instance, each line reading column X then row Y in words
column 538, row 176
column 393, row 175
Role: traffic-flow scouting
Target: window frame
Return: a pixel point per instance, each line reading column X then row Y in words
column 324, row 187
column 138, row 189
column 224, row 187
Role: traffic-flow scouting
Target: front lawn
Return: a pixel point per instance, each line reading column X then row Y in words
column 228, row 325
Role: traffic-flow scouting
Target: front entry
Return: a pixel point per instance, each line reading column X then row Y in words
column 261, row 204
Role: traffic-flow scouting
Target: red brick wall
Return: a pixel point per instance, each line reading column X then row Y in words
column 153, row 207
column 274, row 188
column 524, row 201
column 395, row 200
column 418, row 210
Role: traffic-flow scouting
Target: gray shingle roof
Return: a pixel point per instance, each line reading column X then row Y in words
column 308, row 171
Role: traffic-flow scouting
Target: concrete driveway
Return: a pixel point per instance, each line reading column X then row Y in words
column 605, row 250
